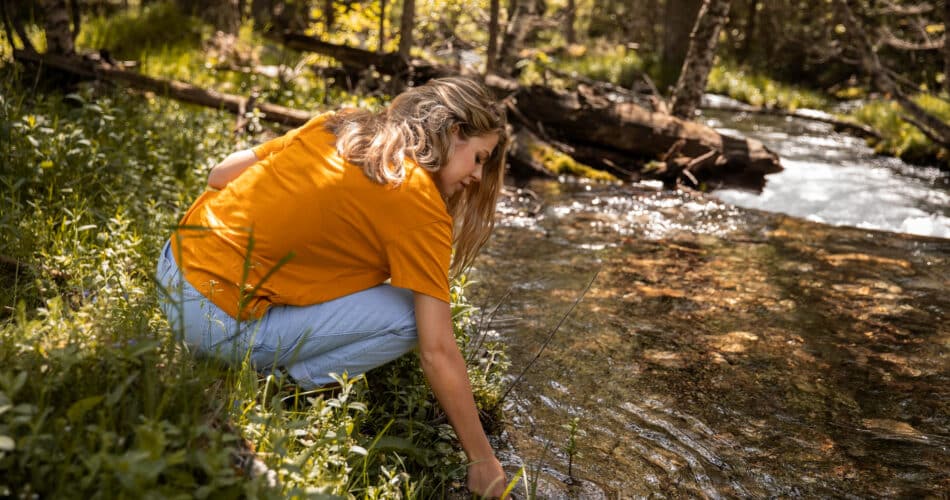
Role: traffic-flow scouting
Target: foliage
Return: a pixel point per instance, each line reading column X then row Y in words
column 129, row 35
column 617, row 64
column 168, row 44
column 96, row 397
column 900, row 138
column 760, row 90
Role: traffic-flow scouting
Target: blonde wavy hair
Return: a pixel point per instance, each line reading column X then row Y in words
column 420, row 125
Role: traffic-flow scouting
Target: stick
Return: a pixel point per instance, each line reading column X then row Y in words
column 546, row 341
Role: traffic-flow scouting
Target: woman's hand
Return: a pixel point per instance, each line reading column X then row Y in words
column 487, row 478
column 444, row 368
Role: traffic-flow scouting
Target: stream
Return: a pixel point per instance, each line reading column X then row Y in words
column 836, row 179
column 724, row 351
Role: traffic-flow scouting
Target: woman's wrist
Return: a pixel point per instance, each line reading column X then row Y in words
column 481, row 452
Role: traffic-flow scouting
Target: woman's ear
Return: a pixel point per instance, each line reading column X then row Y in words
column 454, row 129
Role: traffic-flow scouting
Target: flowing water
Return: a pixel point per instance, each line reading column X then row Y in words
column 721, row 351
column 836, row 179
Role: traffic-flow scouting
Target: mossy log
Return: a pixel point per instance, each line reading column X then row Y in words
column 629, row 135
column 618, row 137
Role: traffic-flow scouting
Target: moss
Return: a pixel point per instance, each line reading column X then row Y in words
column 563, row 164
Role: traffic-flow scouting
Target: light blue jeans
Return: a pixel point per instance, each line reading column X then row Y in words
column 351, row 334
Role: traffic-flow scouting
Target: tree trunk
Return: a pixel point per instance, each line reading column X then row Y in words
column 699, row 59
column 76, row 16
column 679, row 19
column 521, row 20
column 382, row 26
column 946, row 46
column 405, row 27
column 653, row 13
column 514, row 19
column 569, row 17
column 749, row 30
column 491, row 54
column 13, row 24
column 227, row 17
column 224, row 15
column 261, row 13
column 59, row 37
column 329, row 14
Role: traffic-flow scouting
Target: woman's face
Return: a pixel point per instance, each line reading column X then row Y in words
column 466, row 160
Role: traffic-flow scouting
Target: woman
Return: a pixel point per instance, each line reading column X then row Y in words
column 285, row 260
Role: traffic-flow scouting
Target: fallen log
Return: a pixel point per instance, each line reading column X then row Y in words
column 620, row 138
column 412, row 71
column 632, row 134
column 610, row 136
column 181, row 91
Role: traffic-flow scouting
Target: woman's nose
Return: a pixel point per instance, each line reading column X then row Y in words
column 477, row 173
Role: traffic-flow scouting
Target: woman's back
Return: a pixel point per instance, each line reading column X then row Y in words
column 341, row 231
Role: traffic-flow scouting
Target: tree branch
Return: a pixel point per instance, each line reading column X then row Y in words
column 891, row 40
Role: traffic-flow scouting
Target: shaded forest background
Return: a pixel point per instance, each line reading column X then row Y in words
column 777, row 55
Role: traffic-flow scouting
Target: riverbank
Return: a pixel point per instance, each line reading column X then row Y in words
column 622, row 66
column 898, row 138
column 97, row 398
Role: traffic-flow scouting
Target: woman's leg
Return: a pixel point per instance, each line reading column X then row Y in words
column 192, row 317
column 352, row 334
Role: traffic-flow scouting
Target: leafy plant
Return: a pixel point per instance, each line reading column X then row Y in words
column 96, row 396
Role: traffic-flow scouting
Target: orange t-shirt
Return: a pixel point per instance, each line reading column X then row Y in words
column 336, row 230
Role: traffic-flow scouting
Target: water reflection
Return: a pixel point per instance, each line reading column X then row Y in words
column 722, row 352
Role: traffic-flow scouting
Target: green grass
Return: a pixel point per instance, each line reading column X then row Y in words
column 618, row 64
column 97, row 399
column 901, row 139
column 615, row 64
column 760, row 90
column 168, row 44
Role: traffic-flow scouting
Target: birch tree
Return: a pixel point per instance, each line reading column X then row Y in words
column 699, row 58
column 59, row 36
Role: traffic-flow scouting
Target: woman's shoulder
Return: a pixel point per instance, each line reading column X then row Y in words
column 419, row 186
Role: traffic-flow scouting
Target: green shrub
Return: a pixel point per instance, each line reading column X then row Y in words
column 760, row 90
column 900, row 138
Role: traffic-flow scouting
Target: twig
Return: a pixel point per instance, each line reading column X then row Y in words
column 546, row 341
column 481, row 322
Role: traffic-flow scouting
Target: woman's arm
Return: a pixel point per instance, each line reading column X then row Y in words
column 444, row 368
column 229, row 169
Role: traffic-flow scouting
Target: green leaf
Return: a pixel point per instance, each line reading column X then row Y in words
column 81, row 407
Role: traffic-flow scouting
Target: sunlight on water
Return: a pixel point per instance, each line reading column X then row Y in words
column 835, row 179
column 721, row 352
